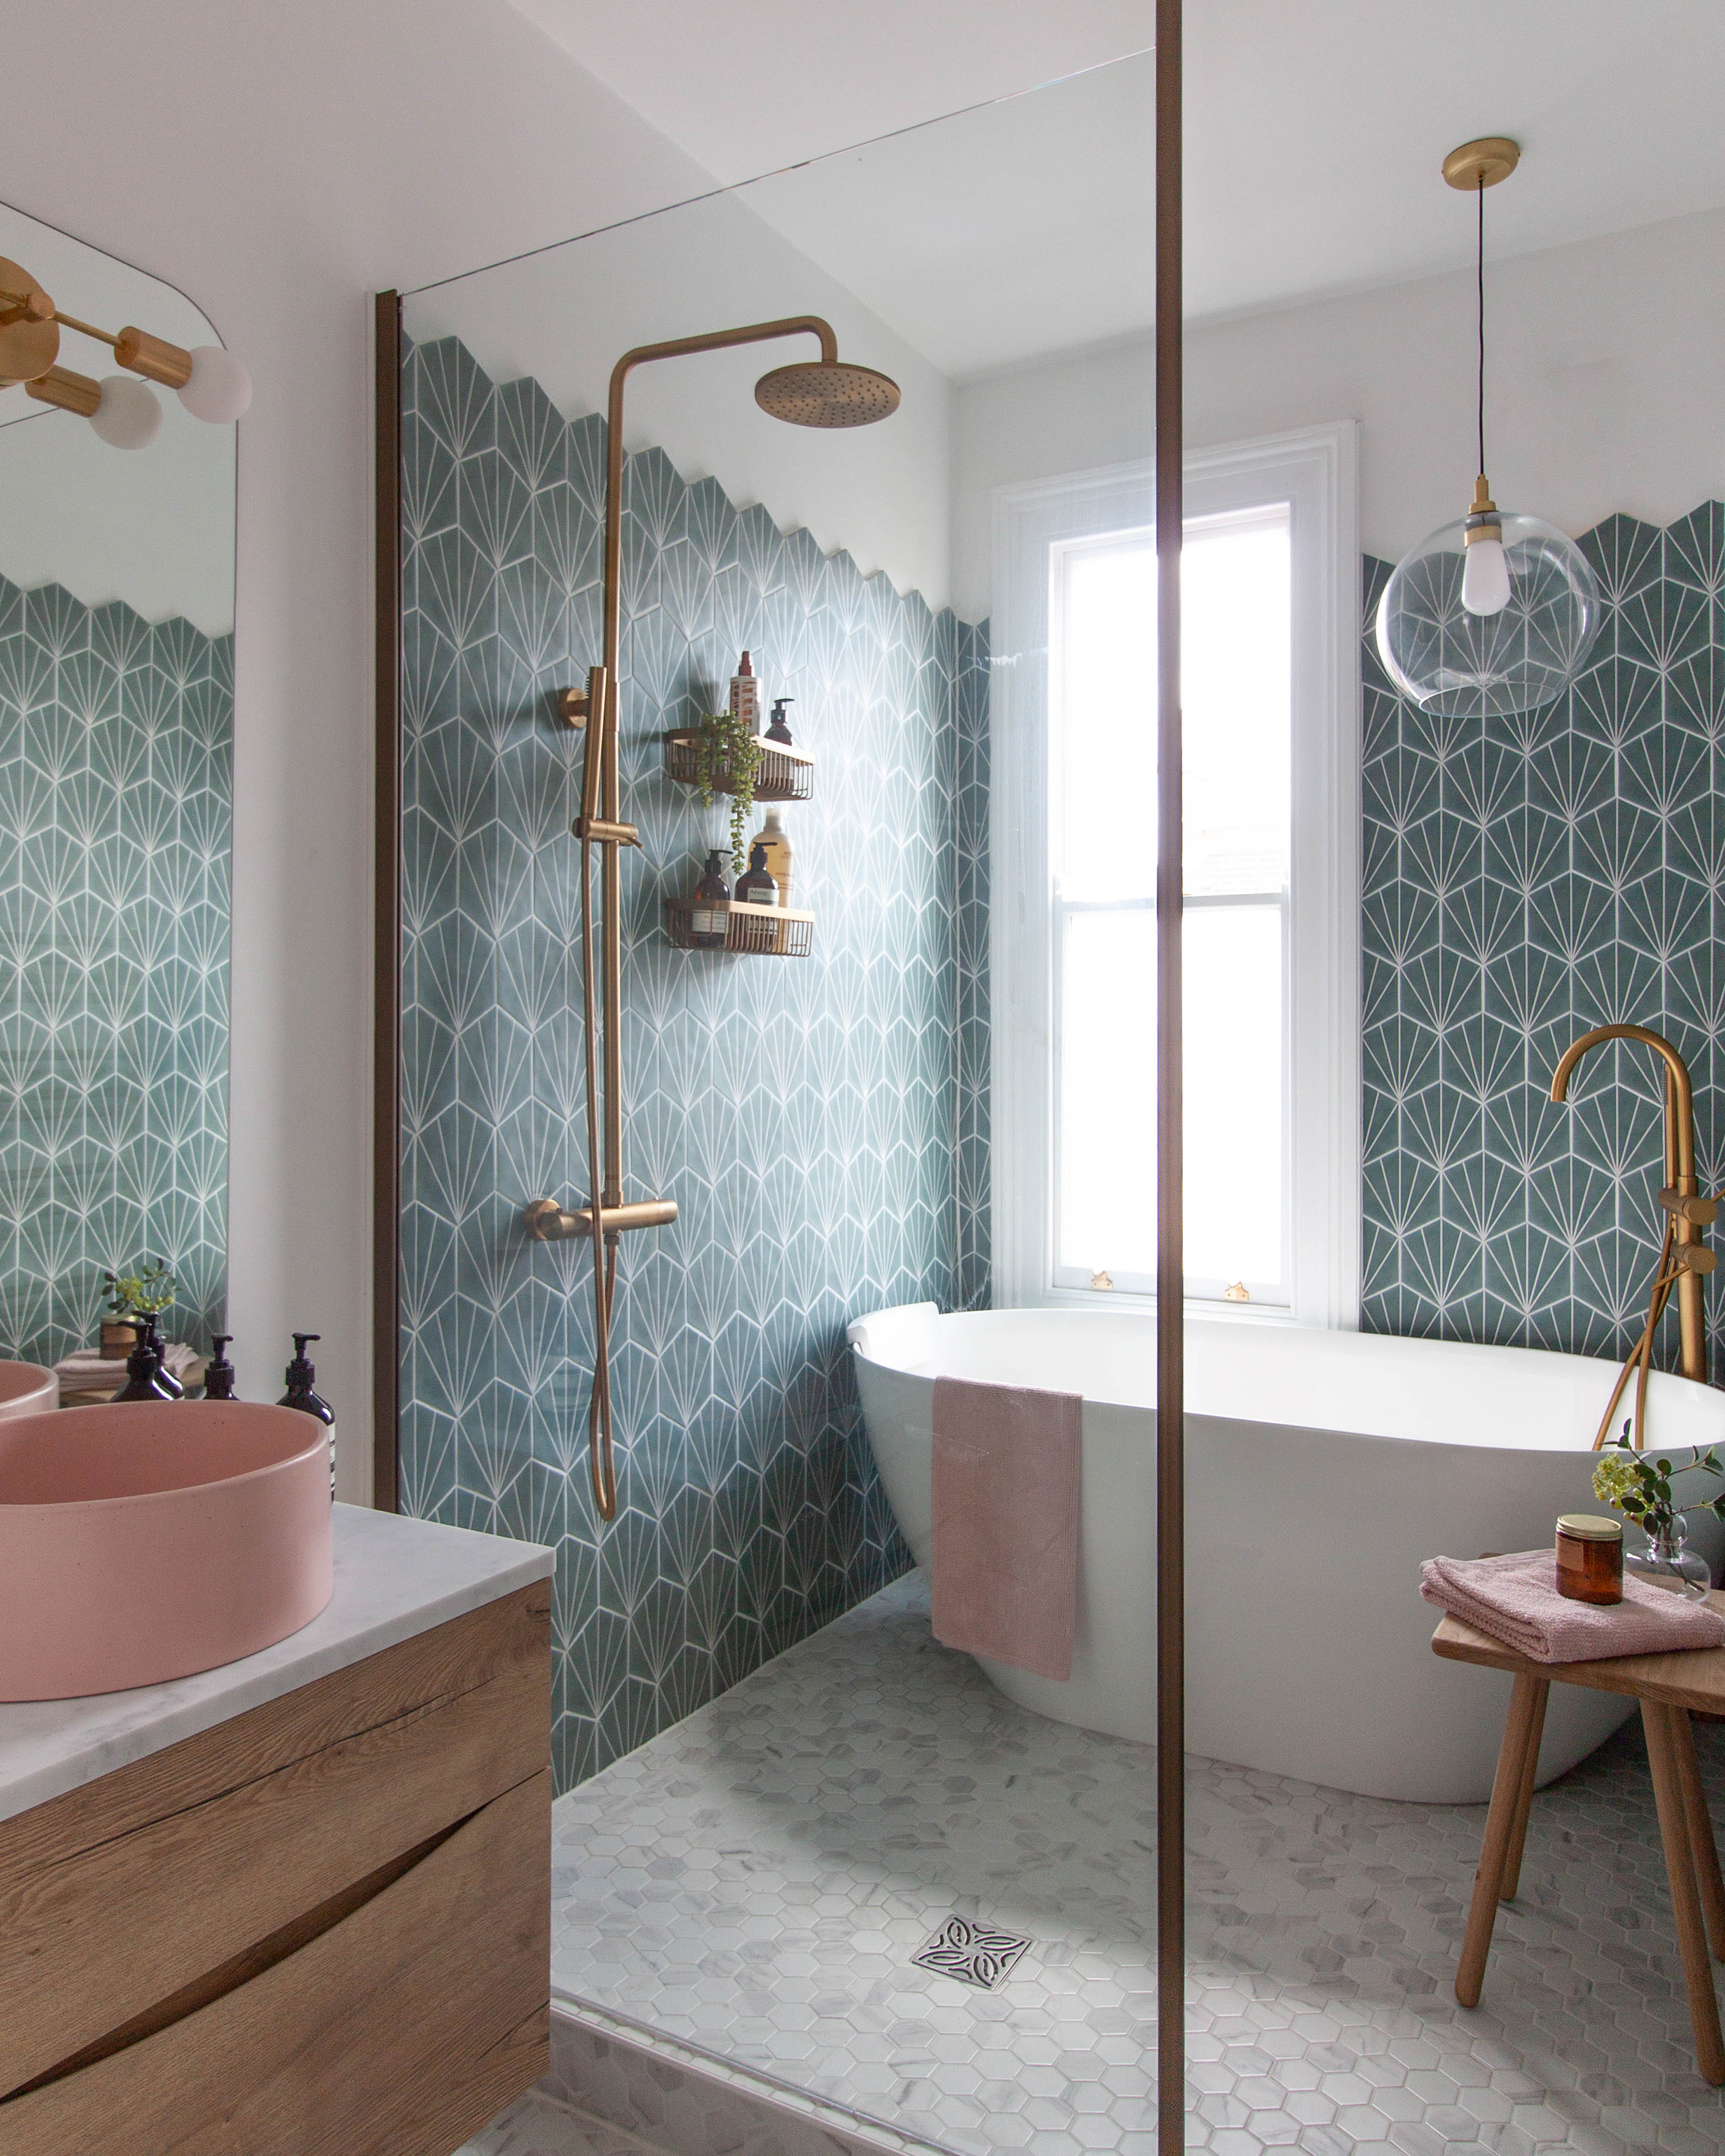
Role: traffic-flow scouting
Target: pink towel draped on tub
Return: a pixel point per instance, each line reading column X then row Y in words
column 1515, row 1600
column 1005, row 1557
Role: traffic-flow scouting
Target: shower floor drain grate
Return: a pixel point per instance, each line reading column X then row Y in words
column 974, row 1953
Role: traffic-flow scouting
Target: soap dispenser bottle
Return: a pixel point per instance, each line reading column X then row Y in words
column 219, row 1374
column 777, row 727
column 756, row 886
column 707, row 920
column 167, row 1383
column 300, row 1379
column 144, row 1373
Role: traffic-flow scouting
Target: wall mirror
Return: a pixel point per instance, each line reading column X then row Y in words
column 117, row 741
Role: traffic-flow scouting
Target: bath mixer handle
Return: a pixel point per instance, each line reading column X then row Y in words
column 1699, row 1211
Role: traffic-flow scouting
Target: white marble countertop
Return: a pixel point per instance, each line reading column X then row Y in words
column 393, row 1578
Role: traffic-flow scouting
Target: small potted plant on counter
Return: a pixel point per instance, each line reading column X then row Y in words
column 130, row 1296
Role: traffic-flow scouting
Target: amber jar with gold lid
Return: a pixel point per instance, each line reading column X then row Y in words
column 1590, row 1558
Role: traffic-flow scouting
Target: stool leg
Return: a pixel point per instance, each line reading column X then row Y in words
column 1526, row 1708
column 1705, row 1849
column 1664, row 1755
column 1524, row 1801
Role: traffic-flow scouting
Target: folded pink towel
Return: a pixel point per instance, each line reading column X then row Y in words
column 1006, row 1465
column 1515, row 1600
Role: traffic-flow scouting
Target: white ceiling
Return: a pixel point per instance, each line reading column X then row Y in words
column 1314, row 135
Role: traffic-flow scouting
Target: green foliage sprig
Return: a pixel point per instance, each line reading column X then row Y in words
column 139, row 1294
column 725, row 747
column 1632, row 1483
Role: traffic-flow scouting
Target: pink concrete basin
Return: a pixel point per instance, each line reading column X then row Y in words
column 148, row 1540
column 27, row 1389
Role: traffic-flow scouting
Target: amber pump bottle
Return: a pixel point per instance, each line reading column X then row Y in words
column 300, row 1379
column 757, row 887
column 707, row 922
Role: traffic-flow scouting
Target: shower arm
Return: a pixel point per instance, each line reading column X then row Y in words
column 605, row 1216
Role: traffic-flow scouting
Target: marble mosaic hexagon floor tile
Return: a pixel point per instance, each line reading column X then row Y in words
column 754, row 1883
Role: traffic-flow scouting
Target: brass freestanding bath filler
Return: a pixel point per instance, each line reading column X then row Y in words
column 822, row 393
column 1684, row 1258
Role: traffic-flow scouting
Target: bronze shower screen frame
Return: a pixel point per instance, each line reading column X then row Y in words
column 1170, row 1113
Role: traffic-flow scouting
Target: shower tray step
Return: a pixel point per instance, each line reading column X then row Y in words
column 618, row 2088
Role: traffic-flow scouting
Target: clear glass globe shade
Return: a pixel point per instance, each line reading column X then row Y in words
column 128, row 416
column 219, row 389
column 1463, row 665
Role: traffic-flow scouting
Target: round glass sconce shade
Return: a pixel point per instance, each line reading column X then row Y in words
column 128, row 416
column 1461, row 664
column 220, row 389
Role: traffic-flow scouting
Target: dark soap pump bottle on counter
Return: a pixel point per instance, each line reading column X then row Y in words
column 300, row 1379
column 146, row 1379
column 713, row 895
column 165, row 1381
column 219, row 1374
column 778, row 728
column 757, row 886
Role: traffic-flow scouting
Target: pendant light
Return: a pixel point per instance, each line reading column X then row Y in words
column 1495, row 614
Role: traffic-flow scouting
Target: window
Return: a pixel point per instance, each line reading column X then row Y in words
column 1270, row 695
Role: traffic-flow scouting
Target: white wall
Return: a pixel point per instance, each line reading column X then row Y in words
column 278, row 163
column 1605, row 391
column 564, row 316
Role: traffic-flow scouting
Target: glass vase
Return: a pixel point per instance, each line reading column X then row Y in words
column 1665, row 1560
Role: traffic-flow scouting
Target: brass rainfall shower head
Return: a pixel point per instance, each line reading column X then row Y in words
column 826, row 393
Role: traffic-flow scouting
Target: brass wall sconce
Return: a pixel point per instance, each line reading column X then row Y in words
column 822, row 393
column 211, row 383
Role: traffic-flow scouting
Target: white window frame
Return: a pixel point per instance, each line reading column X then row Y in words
column 1315, row 470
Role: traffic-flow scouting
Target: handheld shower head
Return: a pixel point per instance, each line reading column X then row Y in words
column 826, row 393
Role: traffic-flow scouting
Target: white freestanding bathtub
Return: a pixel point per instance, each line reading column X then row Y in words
column 1321, row 1467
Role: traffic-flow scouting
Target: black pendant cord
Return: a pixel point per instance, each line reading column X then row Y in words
column 1480, row 280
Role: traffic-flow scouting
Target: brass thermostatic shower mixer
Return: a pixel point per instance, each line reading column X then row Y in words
column 822, row 393
column 209, row 382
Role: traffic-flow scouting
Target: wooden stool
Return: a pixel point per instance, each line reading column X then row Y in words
column 1670, row 1687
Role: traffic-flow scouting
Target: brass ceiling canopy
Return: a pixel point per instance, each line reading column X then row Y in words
column 1482, row 163
column 826, row 393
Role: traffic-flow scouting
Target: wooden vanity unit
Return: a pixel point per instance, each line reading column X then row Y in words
column 316, row 1927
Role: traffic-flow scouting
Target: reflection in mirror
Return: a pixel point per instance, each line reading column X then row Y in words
column 116, row 726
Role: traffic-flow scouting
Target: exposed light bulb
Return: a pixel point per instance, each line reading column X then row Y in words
column 128, row 416
column 219, row 389
column 1485, row 576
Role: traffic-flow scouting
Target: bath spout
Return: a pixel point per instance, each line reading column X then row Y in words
column 1687, row 1213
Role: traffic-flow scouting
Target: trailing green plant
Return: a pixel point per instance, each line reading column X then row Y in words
column 724, row 747
column 139, row 1294
column 1633, row 1484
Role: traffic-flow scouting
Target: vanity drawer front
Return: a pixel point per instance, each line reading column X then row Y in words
column 119, row 1897
column 397, row 2032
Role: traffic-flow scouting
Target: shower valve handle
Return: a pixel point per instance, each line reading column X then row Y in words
column 1699, row 1211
